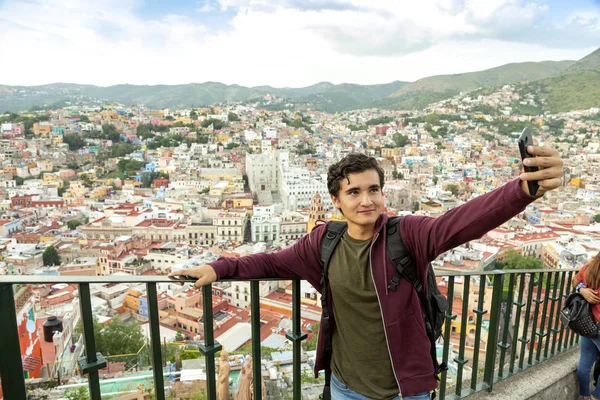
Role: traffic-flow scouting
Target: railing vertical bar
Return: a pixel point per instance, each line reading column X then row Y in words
column 11, row 368
column 556, row 330
column 504, row 345
column 480, row 311
column 296, row 337
column 519, row 306
column 490, row 356
column 461, row 361
column 447, row 329
column 553, row 298
column 87, row 318
column 543, row 333
column 256, row 363
column 538, row 300
column 209, row 347
column 565, row 332
column 574, row 338
column 159, row 383
column 524, row 339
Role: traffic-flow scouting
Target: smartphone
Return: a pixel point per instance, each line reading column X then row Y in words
column 527, row 140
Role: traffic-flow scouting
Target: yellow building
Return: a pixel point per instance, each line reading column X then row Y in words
column 132, row 300
column 42, row 129
column 100, row 192
column 577, row 182
column 49, row 177
column 57, row 139
column 223, row 138
column 391, row 152
column 238, row 203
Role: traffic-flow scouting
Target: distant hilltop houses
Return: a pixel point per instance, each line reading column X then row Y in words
column 115, row 189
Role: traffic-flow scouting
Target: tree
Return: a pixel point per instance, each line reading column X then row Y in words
column 117, row 338
column 51, row 256
column 87, row 181
column 74, row 141
column 597, row 218
column 232, row 117
column 80, row 393
column 19, row 181
column 179, row 336
column 74, row 223
column 400, row 140
column 453, row 189
column 84, row 118
column 514, row 260
column 73, row 165
column 169, row 118
column 435, row 180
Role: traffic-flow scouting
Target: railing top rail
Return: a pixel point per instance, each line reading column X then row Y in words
column 35, row 279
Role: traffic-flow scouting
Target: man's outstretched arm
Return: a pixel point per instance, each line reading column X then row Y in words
column 426, row 237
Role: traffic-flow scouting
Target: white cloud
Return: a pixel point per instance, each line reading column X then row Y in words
column 288, row 43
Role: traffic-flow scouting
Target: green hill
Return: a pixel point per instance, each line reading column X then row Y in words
column 322, row 96
column 589, row 62
column 509, row 73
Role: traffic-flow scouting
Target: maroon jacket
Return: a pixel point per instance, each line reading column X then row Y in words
column 425, row 238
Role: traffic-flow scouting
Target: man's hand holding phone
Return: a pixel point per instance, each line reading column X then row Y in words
column 549, row 175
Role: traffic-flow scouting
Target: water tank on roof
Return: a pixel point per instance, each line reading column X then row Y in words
column 52, row 324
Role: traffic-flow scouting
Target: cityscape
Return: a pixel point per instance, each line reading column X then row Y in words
column 134, row 182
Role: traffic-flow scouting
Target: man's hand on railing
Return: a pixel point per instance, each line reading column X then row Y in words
column 204, row 274
column 590, row 295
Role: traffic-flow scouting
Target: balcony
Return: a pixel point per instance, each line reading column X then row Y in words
column 502, row 323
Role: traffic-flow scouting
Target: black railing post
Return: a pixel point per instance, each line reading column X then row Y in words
column 480, row 311
column 450, row 316
column 209, row 347
column 296, row 337
column 255, row 323
column 11, row 368
column 461, row 360
column 490, row 355
column 159, row 382
column 93, row 361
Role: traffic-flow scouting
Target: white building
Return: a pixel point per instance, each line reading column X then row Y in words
column 297, row 189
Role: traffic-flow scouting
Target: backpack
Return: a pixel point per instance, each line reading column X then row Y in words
column 433, row 303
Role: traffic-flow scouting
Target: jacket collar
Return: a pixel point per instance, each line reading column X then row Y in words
column 380, row 223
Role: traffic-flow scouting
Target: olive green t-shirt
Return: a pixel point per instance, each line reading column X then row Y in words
column 361, row 358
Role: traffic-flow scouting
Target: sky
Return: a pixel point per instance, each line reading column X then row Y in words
column 282, row 43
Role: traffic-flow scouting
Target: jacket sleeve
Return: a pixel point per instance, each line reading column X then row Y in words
column 299, row 261
column 427, row 237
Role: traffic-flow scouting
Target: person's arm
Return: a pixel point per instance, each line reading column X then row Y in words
column 300, row 261
column 580, row 287
column 427, row 237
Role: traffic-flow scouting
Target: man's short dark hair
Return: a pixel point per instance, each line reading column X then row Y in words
column 354, row 163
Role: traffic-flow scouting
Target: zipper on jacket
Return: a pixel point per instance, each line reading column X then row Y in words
column 387, row 342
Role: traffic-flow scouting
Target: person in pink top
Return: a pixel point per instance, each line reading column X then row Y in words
column 587, row 283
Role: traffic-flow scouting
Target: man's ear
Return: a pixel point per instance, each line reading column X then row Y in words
column 335, row 201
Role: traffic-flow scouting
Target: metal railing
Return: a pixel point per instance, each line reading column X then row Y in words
column 522, row 329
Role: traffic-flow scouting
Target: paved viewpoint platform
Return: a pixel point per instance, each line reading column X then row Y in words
column 553, row 379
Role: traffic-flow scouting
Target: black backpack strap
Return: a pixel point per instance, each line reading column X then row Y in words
column 400, row 256
column 406, row 269
column 335, row 231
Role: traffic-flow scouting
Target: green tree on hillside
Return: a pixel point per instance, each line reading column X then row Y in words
column 50, row 256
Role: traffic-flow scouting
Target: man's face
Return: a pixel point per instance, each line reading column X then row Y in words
column 360, row 199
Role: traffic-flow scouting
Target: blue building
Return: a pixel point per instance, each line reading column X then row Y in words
column 143, row 307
